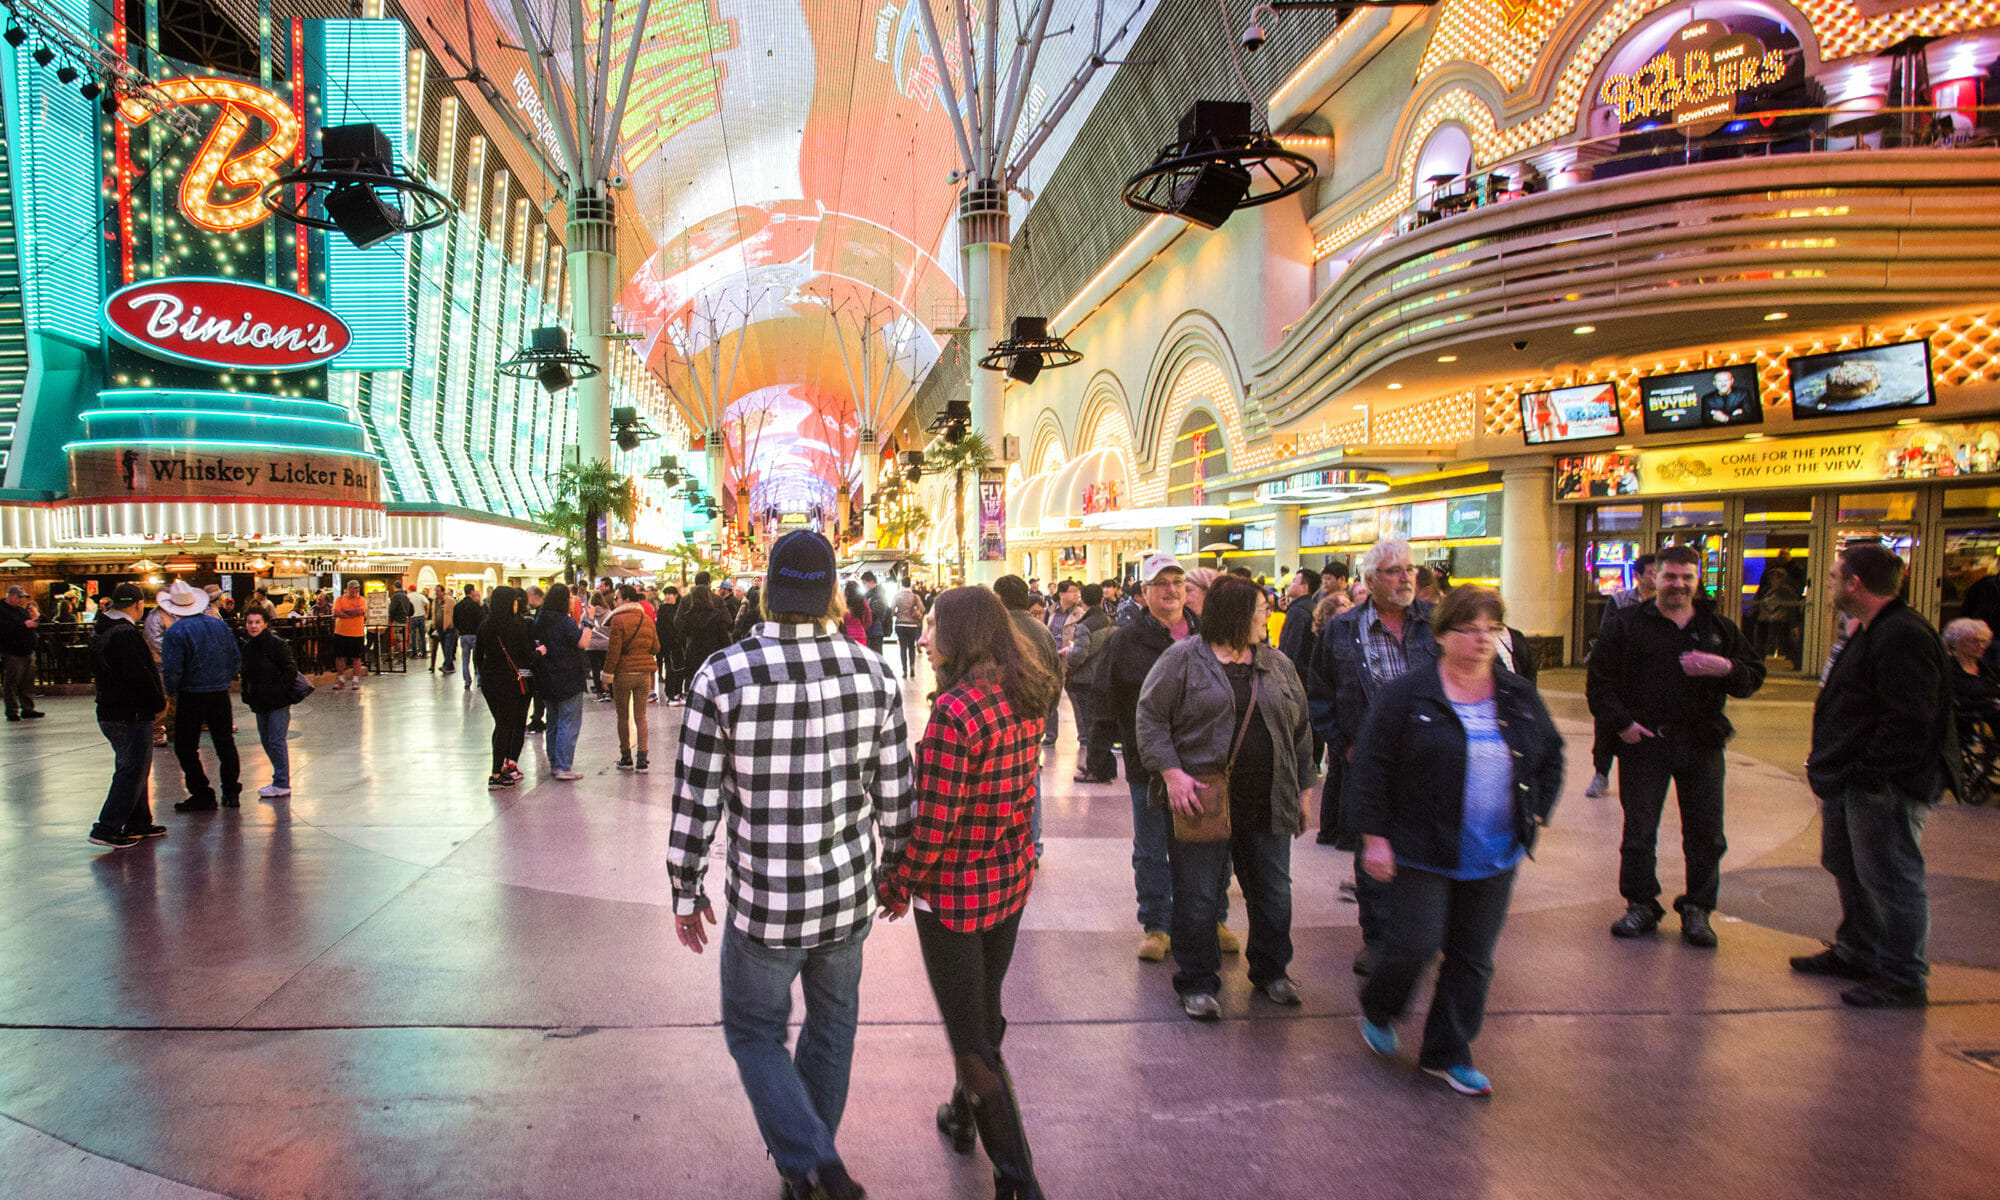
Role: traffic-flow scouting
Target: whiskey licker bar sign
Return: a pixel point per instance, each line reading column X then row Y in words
column 173, row 472
column 224, row 323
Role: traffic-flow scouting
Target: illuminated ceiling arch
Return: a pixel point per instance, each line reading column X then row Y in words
column 790, row 163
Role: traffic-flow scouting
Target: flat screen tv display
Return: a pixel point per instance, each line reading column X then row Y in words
column 1571, row 414
column 1718, row 396
column 1865, row 380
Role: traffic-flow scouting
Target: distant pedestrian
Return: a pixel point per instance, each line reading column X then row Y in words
column 269, row 674
column 909, row 617
column 631, row 647
column 506, row 660
column 466, row 617
column 799, row 907
column 559, row 670
column 1883, row 748
column 128, row 695
column 18, row 619
column 350, row 636
column 1976, row 694
column 198, row 663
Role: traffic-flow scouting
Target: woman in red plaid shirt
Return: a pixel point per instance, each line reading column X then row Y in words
column 971, row 858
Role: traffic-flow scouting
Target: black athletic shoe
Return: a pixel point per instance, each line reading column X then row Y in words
column 1834, row 962
column 193, row 805
column 830, row 1182
column 146, row 831
column 1638, row 921
column 1695, row 929
column 33, row 714
column 625, row 761
column 641, row 764
column 114, row 841
column 536, row 727
column 232, row 800
column 1880, row 993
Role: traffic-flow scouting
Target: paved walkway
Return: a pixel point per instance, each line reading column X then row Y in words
column 400, row 985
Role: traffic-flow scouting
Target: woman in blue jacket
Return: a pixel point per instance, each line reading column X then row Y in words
column 1454, row 772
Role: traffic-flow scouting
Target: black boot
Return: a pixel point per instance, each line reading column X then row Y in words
column 998, row 1117
column 954, row 1120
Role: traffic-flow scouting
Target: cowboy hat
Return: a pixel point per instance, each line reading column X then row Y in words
column 182, row 600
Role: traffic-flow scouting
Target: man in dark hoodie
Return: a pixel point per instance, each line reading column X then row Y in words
column 465, row 618
column 128, row 696
column 1128, row 656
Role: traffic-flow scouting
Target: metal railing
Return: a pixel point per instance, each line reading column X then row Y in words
column 62, row 651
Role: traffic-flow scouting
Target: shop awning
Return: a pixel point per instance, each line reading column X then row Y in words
column 1089, row 485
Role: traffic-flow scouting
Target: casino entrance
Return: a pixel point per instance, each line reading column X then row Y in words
column 1764, row 556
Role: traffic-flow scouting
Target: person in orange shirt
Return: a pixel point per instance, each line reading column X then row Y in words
column 350, row 628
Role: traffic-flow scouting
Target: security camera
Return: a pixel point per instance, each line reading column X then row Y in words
column 1520, row 345
column 1253, row 37
column 618, row 183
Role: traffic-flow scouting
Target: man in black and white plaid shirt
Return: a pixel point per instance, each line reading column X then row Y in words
column 797, row 734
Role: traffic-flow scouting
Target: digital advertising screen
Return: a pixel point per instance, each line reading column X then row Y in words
column 1693, row 399
column 1571, row 414
column 1428, row 520
column 1875, row 377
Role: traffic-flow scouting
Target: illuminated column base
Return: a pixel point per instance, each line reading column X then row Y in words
column 871, row 473
column 1286, row 528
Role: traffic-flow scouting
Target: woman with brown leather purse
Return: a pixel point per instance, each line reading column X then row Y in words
column 1222, row 719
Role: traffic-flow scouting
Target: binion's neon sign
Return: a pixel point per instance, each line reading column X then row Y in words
column 218, row 170
column 1696, row 80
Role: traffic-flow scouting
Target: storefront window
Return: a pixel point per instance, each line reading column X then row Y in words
column 1981, row 502
column 1769, row 510
column 1615, row 518
column 1876, row 506
column 1681, row 514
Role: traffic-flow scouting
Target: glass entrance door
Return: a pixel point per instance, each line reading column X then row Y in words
column 1613, row 540
column 1778, row 584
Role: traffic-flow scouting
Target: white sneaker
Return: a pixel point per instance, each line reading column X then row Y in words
column 270, row 791
column 1599, row 785
column 568, row 776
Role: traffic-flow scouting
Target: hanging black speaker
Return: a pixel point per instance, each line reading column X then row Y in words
column 362, row 216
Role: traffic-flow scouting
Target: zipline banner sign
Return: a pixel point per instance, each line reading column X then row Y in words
column 992, row 516
column 224, row 323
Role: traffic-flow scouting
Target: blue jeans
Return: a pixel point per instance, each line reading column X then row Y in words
column 1263, row 862
column 1462, row 917
column 271, row 730
column 126, row 804
column 449, row 640
column 1151, row 874
column 466, row 642
column 1872, row 843
column 797, row 1098
column 565, row 722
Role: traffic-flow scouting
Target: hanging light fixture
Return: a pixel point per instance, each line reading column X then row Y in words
column 142, row 567
column 361, row 188
column 1024, row 355
column 16, row 36
column 1220, row 164
column 550, row 360
column 628, row 428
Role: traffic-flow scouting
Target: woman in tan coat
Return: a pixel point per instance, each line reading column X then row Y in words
column 630, row 661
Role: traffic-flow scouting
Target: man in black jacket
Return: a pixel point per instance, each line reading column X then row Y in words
column 1884, row 745
column 128, row 696
column 465, row 618
column 1083, row 640
column 1659, row 677
column 17, row 654
column 1128, row 655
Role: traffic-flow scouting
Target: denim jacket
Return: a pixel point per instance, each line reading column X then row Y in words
column 1187, row 720
column 199, row 654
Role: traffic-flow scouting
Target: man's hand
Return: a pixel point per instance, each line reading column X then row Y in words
column 1703, row 665
column 1377, row 858
column 688, row 928
column 1636, row 733
column 1183, row 793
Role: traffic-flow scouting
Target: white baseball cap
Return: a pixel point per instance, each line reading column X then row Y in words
column 1156, row 563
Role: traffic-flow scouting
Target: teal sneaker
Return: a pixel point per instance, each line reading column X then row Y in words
column 1465, row 1080
column 1380, row 1038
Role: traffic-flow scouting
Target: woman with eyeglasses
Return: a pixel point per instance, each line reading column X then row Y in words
column 1455, row 771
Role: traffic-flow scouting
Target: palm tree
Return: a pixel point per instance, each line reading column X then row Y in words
column 592, row 492
column 564, row 523
column 968, row 455
column 905, row 523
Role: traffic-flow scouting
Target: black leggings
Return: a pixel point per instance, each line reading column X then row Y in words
column 966, row 972
column 510, row 726
column 906, row 635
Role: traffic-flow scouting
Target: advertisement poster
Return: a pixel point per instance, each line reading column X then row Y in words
column 992, row 516
column 1846, row 381
column 1721, row 396
column 1571, row 414
column 1861, row 456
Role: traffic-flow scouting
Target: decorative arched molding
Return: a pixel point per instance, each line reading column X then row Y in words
column 1194, row 361
column 1104, row 420
column 1045, row 444
column 1458, row 103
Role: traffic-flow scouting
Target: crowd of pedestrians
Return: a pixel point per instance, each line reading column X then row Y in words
column 1230, row 700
